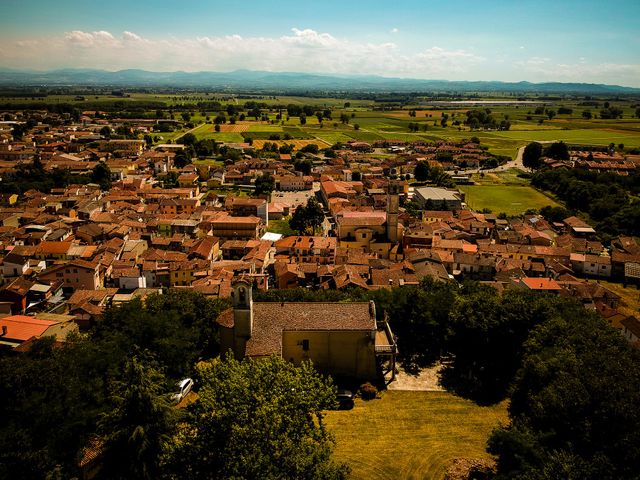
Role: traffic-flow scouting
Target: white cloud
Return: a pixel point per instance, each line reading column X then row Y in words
column 300, row 50
column 394, row 30
column 303, row 50
column 544, row 69
column 89, row 39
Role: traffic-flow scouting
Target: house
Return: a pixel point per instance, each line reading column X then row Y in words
column 308, row 248
column 433, row 198
column 579, row 227
column 631, row 329
column 88, row 305
column 339, row 338
column 15, row 330
column 593, row 265
column 129, row 278
column 14, row 265
column 76, row 274
column 226, row 226
column 546, row 285
column 14, row 295
column 247, row 207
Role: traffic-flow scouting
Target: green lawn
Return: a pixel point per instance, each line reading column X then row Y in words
column 411, row 435
column 592, row 136
column 510, row 199
column 280, row 226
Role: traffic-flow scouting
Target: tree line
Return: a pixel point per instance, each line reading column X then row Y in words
column 608, row 199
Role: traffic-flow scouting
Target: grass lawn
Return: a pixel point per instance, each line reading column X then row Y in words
column 507, row 177
column 210, row 162
column 411, row 435
column 630, row 296
column 280, row 226
column 512, row 200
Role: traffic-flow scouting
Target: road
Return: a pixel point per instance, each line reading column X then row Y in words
column 516, row 163
column 175, row 140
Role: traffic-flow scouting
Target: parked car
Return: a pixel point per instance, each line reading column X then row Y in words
column 183, row 387
column 345, row 399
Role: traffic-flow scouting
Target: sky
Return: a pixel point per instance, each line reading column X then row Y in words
column 591, row 41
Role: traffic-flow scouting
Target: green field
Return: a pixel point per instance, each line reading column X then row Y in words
column 411, row 435
column 280, row 226
column 510, row 199
column 391, row 124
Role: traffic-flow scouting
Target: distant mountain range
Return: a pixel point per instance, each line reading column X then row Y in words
column 286, row 81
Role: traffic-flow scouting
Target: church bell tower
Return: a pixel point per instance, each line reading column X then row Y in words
column 393, row 201
column 242, row 309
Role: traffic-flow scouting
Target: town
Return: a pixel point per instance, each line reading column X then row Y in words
column 151, row 217
column 302, row 250
column 330, row 240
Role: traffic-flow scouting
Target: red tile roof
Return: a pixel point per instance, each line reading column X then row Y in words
column 22, row 327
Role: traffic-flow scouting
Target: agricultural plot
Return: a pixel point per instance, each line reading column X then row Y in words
column 382, row 124
column 298, row 144
column 238, row 127
column 584, row 136
column 411, row 435
column 512, row 200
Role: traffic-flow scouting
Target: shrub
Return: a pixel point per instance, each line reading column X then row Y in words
column 368, row 391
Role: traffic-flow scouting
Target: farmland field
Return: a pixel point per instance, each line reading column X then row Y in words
column 298, row 144
column 376, row 122
column 512, row 200
column 411, row 435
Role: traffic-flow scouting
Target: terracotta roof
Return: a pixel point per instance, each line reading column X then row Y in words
column 541, row 283
column 22, row 327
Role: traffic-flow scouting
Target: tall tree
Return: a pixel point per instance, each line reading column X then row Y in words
column 298, row 221
column 531, row 155
column 258, row 419
column 139, row 427
column 314, row 213
column 421, row 172
column 101, row 175
column 574, row 408
column 557, row 150
column 265, row 184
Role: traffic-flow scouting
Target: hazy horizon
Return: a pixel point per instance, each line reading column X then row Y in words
column 543, row 41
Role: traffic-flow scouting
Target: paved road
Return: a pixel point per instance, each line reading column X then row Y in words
column 516, row 163
column 175, row 140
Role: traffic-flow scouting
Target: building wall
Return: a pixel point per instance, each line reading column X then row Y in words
column 345, row 353
column 132, row 283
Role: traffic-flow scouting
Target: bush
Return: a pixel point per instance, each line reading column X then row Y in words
column 368, row 391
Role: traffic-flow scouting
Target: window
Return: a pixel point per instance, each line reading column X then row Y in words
column 305, row 345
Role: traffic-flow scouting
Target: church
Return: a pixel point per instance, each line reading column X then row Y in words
column 339, row 338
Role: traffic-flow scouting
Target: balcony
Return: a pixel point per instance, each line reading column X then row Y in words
column 385, row 343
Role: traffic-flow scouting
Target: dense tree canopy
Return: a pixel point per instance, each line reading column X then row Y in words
column 57, row 395
column 608, row 198
column 138, row 428
column 574, row 405
column 258, row 419
column 265, row 184
column 531, row 155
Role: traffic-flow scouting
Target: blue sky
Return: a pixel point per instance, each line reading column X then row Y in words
column 587, row 40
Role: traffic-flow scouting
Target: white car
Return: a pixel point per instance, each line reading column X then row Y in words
column 183, row 388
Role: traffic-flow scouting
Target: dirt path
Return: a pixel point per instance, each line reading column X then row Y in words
column 425, row 381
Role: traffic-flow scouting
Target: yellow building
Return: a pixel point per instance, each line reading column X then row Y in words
column 339, row 338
